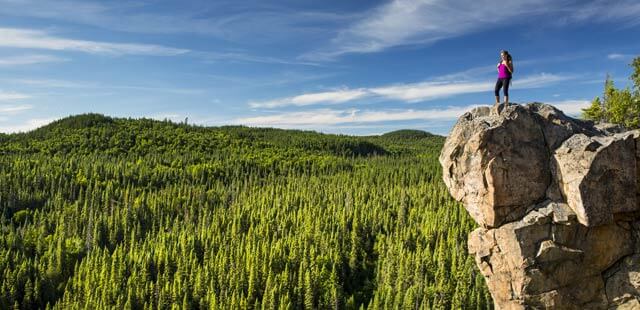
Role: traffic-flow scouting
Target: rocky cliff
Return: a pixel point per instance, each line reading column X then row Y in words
column 557, row 202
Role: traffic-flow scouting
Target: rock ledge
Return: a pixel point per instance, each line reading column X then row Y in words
column 557, row 202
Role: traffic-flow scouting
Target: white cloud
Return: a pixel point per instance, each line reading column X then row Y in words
column 30, row 124
column 469, row 74
column 14, row 109
column 49, row 83
column 405, row 22
column 439, row 120
column 330, row 97
column 412, row 92
column 236, row 21
column 29, row 60
column 540, row 80
column 212, row 57
column 616, row 56
column 620, row 11
column 430, row 90
column 402, row 22
column 5, row 96
column 36, row 39
column 571, row 107
column 324, row 117
column 53, row 83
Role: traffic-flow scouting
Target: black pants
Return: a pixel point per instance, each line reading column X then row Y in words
column 502, row 82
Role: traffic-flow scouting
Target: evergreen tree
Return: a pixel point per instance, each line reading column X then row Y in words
column 100, row 212
column 618, row 106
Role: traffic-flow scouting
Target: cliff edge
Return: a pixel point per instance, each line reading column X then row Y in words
column 557, row 202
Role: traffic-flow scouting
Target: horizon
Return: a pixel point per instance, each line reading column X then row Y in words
column 357, row 68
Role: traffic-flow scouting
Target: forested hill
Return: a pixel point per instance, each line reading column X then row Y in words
column 99, row 212
column 96, row 133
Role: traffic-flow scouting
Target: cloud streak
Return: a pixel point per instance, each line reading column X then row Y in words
column 617, row 56
column 29, row 60
column 52, row 83
column 411, row 93
column 28, row 125
column 407, row 22
column 331, row 97
column 625, row 11
column 571, row 107
column 327, row 117
column 236, row 21
column 14, row 109
column 36, row 39
column 403, row 22
column 8, row 96
column 323, row 118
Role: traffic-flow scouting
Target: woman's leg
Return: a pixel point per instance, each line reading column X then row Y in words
column 506, row 91
column 497, row 91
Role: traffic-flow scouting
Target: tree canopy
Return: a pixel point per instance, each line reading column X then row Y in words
column 99, row 212
column 618, row 106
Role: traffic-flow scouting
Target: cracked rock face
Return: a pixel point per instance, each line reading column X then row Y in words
column 556, row 199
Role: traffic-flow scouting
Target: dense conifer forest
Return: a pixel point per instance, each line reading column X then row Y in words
column 99, row 212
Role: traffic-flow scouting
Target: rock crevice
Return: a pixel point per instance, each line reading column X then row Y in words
column 557, row 202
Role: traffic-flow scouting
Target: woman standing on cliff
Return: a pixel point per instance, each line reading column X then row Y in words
column 505, row 70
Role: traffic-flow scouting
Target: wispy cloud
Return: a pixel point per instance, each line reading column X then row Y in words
column 402, row 22
column 621, row 11
column 48, row 83
column 324, row 117
column 430, row 90
column 469, row 74
column 541, row 80
column 29, row 60
column 330, row 97
column 412, row 92
column 616, row 56
column 37, row 39
column 571, row 107
column 53, row 83
column 5, row 96
column 14, row 109
column 237, row 21
column 406, row 22
column 28, row 125
column 213, row 57
column 328, row 119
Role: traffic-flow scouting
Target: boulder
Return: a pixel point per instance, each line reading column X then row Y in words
column 525, row 264
column 595, row 174
column 557, row 202
column 497, row 166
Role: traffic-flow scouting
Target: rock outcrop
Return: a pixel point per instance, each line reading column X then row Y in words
column 557, row 202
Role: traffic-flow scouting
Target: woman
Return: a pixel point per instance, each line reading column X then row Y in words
column 505, row 70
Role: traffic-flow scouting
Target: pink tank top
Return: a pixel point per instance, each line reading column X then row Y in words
column 503, row 72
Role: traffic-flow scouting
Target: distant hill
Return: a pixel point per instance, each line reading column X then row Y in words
column 79, row 122
column 97, row 133
column 408, row 134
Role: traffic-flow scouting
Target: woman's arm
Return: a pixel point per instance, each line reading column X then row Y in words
column 510, row 67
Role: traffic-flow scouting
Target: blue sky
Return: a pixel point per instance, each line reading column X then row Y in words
column 351, row 67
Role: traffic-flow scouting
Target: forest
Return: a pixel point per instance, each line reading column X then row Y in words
column 99, row 212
